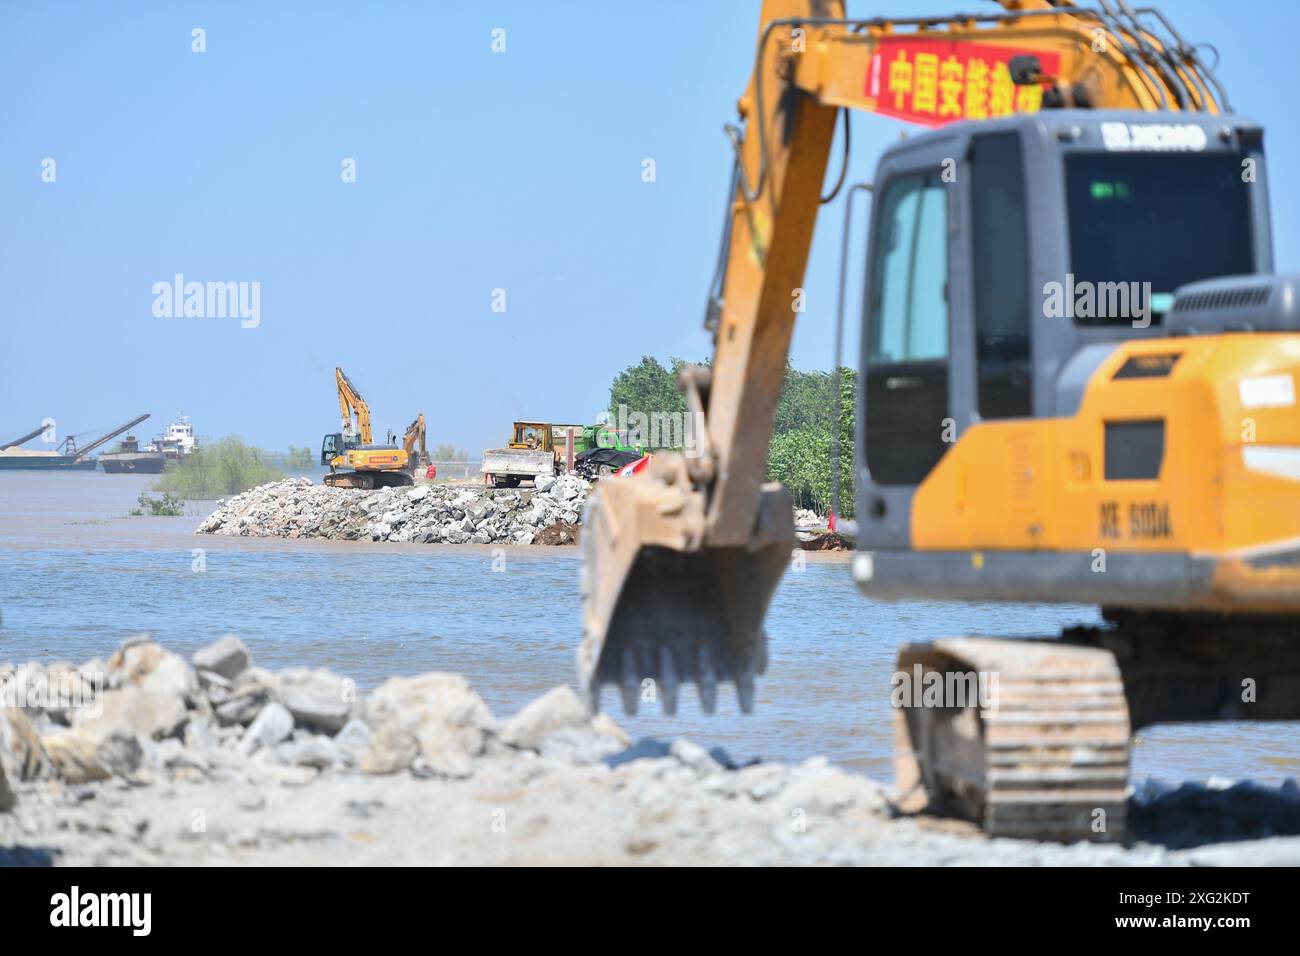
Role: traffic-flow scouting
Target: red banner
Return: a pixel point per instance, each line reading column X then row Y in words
column 933, row 82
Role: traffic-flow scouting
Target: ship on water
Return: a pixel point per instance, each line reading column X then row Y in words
column 172, row 445
column 177, row 442
column 130, row 459
column 67, row 457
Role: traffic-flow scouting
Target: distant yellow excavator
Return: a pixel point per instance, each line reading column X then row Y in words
column 413, row 443
column 1077, row 384
column 354, row 460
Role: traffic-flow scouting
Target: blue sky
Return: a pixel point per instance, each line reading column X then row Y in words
column 475, row 171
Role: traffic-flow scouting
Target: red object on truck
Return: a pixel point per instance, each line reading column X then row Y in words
column 636, row 467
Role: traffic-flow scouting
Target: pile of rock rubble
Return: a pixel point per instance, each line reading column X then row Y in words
column 434, row 514
column 146, row 710
column 424, row 513
column 108, row 761
column 812, row 532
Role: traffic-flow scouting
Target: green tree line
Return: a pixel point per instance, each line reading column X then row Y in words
column 799, row 455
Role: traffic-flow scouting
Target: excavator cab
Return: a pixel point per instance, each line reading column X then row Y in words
column 336, row 445
column 992, row 301
column 331, row 448
column 1007, row 261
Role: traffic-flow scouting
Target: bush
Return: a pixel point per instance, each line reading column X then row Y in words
column 222, row 468
column 449, row 453
column 647, row 387
column 168, row 505
column 299, row 459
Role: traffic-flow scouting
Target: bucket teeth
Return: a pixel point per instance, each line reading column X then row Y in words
column 707, row 680
column 662, row 602
column 631, row 684
column 672, row 665
column 668, row 679
column 745, row 691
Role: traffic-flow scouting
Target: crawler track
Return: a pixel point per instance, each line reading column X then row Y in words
column 368, row 480
column 1047, row 758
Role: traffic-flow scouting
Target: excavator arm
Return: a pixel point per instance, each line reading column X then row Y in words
column 352, row 405
column 415, row 437
column 680, row 563
column 1029, row 54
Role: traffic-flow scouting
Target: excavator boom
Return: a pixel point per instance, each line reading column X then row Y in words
column 353, row 410
column 415, row 438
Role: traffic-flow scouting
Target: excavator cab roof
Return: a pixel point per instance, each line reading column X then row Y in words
column 1096, row 196
column 1106, row 131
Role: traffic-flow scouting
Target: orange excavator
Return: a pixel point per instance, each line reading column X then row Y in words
column 1076, row 385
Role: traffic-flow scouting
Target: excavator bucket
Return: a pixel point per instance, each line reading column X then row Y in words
column 659, row 605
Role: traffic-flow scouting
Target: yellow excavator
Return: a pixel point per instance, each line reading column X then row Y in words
column 413, row 443
column 354, row 460
column 1076, row 385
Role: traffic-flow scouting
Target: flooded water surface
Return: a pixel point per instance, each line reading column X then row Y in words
column 77, row 576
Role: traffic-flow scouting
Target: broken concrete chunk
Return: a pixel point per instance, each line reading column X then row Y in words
column 22, row 757
column 271, row 726
column 228, row 657
column 318, row 699
column 435, row 716
column 555, row 710
column 82, row 756
column 353, row 741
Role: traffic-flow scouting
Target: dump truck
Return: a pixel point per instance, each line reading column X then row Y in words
column 529, row 455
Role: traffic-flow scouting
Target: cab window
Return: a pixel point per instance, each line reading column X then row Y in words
column 910, row 320
column 1000, row 246
column 907, row 340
